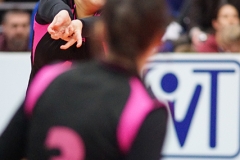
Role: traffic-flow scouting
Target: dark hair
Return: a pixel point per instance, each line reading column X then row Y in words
column 14, row 11
column 220, row 6
column 131, row 25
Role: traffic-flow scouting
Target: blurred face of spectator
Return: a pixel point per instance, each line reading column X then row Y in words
column 227, row 15
column 16, row 28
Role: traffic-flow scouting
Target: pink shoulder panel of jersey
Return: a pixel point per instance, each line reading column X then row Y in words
column 138, row 106
column 45, row 76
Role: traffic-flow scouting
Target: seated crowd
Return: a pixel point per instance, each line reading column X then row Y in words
column 197, row 26
column 204, row 26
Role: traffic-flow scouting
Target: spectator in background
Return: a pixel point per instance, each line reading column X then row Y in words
column 196, row 21
column 229, row 39
column 178, row 10
column 176, row 35
column 226, row 15
column 201, row 13
column 15, row 31
column 175, row 7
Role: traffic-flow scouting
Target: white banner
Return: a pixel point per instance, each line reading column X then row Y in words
column 203, row 94
column 14, row 75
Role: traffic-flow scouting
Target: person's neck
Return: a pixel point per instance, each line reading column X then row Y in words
column 134, row 65
column 83, row 11
column 124, row 62
column 218, row 40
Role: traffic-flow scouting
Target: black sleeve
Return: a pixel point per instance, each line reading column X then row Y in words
column 47, row 10
column 149, row 141
column 13, row 138
column 88, row 23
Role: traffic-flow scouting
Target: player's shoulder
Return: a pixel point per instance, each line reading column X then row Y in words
column 48, row 74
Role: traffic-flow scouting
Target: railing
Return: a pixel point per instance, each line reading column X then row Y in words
column 20, row 5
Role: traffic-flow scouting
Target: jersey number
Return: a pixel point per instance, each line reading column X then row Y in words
column 69, row 143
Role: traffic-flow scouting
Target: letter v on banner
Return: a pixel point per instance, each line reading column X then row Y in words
column 203, row 93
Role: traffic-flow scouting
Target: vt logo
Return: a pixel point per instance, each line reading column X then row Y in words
column 203, row 99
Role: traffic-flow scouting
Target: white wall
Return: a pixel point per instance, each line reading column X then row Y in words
column 14, row 74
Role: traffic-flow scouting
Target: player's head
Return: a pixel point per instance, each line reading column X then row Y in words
column 134, row 27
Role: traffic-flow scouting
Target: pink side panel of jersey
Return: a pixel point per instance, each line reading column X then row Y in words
column 39, row 32
column 138, row 106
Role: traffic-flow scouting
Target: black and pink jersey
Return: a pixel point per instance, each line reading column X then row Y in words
column 46, row 50
column 91, row 111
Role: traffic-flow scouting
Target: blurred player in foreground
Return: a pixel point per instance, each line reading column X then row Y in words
column 98, row 110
